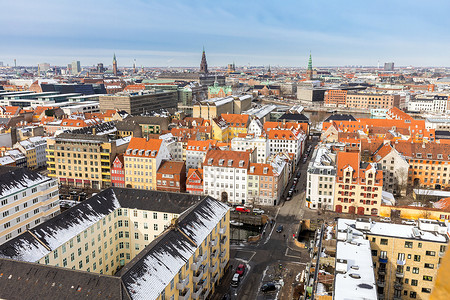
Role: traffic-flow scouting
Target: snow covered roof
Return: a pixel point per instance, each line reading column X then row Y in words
column 354, row 278
column 153, row 269
column 145, row 276
column 13, row 180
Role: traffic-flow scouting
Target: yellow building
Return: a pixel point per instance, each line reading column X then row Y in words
column 405, row 257
column 220, row 130
column 142, row 160
column 237, row 124
column 157, row 244
column 83, row 159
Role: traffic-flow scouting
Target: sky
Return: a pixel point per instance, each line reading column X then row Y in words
column 278, row 33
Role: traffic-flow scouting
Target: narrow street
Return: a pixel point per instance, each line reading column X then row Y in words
column 275, row 257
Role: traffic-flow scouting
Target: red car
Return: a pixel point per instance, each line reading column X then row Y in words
column 240, row 269
column 242, row 209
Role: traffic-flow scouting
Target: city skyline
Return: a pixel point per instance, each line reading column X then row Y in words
column 255, row 33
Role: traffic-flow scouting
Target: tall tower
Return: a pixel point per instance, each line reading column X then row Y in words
column 114, row 65
column 309, row 71
column 204, row 64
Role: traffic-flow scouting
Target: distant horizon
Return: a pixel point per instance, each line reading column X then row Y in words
column 173, row 33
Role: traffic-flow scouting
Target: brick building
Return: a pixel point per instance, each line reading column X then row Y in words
column 171, row 176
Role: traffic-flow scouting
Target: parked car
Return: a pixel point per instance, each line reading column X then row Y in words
column 242, row 209
column 386, row 219
column 268, row 287
column 305, row 159
column 280, row 228
column 235, row 280
column 288, row 198
column 290, row 193
column 409, row 222
column 258, row 211
column 240, row 269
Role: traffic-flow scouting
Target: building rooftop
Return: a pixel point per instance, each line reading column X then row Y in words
column 354, row 277
column 144, row 277
column 13, row 180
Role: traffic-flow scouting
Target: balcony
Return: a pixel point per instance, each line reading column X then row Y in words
column 213, row 268
column 215, row 278
column 401, row 262
column 223, row 264
column 380, row 296
column 397, row 297
column 205, row 294
column 197, row 293
column 184, row 295
column 399, row 274
column 201, row 258
column 381, row 271
column 398, row 286
column 223, row 230
column 224, row 240
column 181, row 285
column 441, row 254
column 381, row 283
column 383, row 260
column 214, row 254
column 213, row 242
column 197, row 277
column 223, row 253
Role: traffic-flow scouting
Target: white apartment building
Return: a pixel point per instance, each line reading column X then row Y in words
column 27, row 198
column 255, row 127
column 432, row 104
column 251, row 142
column 321, row 179
column 196, row 152
column 225, row 175
column 286, row 140
column 175, row 148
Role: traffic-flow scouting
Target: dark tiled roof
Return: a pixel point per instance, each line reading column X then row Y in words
column 340, row 117
column 295, row 117
column 22, row 280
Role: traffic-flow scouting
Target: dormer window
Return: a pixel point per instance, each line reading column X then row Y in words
column 241, row 163
column 141, row 152
column 147, row 153
column 135, row 151
column 252, row 169
column 154, row 152
column 230, row 162
column 419, row 155
column 429, row 155
column 210, row 161
column 266, row 169
column 128, row 151
column 221, row 161
column 439, row 156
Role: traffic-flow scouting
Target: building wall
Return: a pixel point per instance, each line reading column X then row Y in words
column 395, row 173
column 220, row 180
column 204, row 268
column 353, row 196
column 80, row 163
column 320, row 190
column 111, row 242
column 367, row 101
column 428, row 172
column 404, row 264
column 28, row 207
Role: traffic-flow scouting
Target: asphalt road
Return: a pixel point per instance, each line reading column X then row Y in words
column 272, row 250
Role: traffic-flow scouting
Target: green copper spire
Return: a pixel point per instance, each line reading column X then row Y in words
column 310, row 62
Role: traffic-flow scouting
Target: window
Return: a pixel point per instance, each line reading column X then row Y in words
column 430, row 253
column 426, row 290
column 412, row 295
column 408, row 244
column 415, row 270
column 374, row 252
column 155, row 227
column 136, row 235
column 384, row 241
column 155, row 216
column 427, row 278
column 429, row 266
column 414, row 282
column 416, row 257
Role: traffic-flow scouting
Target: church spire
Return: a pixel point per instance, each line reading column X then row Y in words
column 115, row 65
column 310, row 62
column 204, row 64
